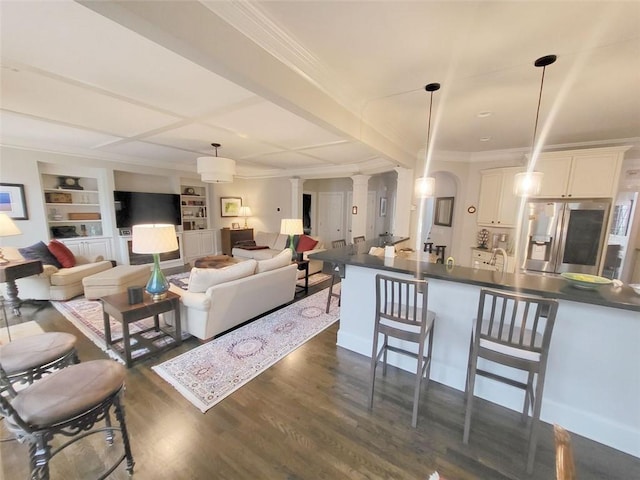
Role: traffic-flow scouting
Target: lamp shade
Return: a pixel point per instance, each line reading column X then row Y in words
column 527, row 183
column 244, row 211
column 216, row 169
column 156, row 238
column 291, row 226
column 7, row 226
column 425, row 187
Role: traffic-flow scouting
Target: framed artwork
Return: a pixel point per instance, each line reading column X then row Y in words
column 383, row 206
column 235, row 226
column 12, row 201
column 444, row 211
column 230, row 206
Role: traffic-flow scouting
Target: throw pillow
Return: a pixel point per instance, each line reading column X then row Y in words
column 39, row 251
column 280, row 260
column 306, row 243
column 203, row 278
column 62, row 253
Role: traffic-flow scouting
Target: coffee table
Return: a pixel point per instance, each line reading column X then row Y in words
column 117, row 306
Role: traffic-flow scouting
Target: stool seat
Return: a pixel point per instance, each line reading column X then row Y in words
column 68, row 392
column 29, row 352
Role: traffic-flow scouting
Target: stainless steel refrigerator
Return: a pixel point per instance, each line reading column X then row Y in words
column 564, row 236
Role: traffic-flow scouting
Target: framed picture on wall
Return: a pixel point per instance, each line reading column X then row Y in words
column 230, row 206
column 12, row 201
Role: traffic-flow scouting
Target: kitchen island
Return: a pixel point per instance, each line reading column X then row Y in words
column 592, row 385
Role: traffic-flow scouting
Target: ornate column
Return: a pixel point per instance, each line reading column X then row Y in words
column 296, row 197
column 404, row 198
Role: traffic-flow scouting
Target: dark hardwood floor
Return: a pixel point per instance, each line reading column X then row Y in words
column 307, row 418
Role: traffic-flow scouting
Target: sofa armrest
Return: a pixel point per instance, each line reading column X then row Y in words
column 82, row 260
column 199, row 301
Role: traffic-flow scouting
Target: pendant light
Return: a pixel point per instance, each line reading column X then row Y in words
column 425, row 186
column 529, row 183
column 216, row 169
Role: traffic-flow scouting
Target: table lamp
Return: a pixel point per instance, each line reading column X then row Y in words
column 155, row 239
column 291, row 227
column 7, row 229
column 245, row 212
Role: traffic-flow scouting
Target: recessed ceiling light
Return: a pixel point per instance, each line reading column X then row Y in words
column 484, row 114
column 485, row 139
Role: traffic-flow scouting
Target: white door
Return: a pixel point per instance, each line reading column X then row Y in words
column 331, row 216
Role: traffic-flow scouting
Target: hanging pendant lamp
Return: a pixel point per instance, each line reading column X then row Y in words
column 216, row 169
column 529, row 183
column 425, row 186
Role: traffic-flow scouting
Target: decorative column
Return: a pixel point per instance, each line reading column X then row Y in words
column 360, row 192
column 404, row 198
column 296, row 197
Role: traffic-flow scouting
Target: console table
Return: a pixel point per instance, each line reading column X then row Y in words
column 10, row 272
column 231, row 236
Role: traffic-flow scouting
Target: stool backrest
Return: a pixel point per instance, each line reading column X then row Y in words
column 359, row 239
column 339, row 243
column 401, row 303
column 516, row 321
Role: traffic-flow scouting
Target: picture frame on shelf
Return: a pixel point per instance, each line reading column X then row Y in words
column 13, row 201
column 230, row 206
column 235, row 226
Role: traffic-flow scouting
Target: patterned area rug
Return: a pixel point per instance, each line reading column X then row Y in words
column 207, row 374
column 314, row 279
column 86, row 315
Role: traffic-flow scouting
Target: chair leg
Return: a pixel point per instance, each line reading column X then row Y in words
column 109, row 430
column 535, row 422
column 384, row 355
column 333, row 279
column 471, row 375
column 420, row 360
column 374, row 364
column 125, row 434
column 39, row 455
column 528, row 397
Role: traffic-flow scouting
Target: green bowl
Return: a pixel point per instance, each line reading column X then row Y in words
column 585, row 281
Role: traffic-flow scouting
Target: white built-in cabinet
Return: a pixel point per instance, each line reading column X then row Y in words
column 587, row 173
column 498, row 206
column 198, row 240
column 91, row 249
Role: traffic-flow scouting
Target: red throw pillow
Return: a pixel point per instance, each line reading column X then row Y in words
column 306, row 243
column 62, row 253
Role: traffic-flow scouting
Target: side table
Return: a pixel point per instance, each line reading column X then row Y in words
column 118, row 307
column 10, row 272
column 303, row 265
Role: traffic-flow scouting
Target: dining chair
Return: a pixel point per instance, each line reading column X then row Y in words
column 335, row 274
column 358, row 239
column 68, row 403
column 27, row 359
column 402, row 315
column 514, row 330
column 565, row 465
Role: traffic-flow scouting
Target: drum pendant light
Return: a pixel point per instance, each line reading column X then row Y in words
column 425, row 186
column 529, row 182
column 216, row 169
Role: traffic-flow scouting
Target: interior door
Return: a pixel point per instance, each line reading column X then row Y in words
column 331, row 216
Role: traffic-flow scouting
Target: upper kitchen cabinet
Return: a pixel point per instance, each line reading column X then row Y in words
column 586, row 173
column 498, row 206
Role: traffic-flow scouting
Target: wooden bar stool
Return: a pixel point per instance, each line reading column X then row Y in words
column 513, row 330
column 68, row 402
column 27, row 359
column 402, row 314
column 335, row 274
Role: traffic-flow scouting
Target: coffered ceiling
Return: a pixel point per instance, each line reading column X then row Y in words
column 315, row 88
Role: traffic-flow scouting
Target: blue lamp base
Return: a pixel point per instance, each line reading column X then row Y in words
column 157, row 286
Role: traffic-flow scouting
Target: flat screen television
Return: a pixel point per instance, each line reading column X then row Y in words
column 135, row 208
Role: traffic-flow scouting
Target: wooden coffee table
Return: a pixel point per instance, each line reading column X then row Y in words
column 117, row 306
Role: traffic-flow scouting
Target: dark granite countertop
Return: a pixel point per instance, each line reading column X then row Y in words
column 544, row 285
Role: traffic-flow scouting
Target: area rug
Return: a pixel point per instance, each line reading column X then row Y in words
column 209, row 373
column 314, row 279
column 86, row 315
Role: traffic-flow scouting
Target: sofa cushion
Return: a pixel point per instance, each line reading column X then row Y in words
column 306, row 243
column 62, row 253
column 69, row 276
column 281, row 260
column 203, row 278
column 281, row 242
column 265, row 238
column 39, row 251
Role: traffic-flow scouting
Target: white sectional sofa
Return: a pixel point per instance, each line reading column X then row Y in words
column 276, row 243
column 219, row 299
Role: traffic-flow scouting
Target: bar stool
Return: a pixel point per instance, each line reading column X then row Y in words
column 512, row 330
column 68, row 402
column 358, row 239
column 401, row 313
column 335, row 274
column 27, row 359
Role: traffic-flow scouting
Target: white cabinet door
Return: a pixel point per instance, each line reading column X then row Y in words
column 207, row 246
column 490, row 191
column 197, row 243
column 90, row 248
column 594, row 176
column 509, row 202
column 556, row 172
